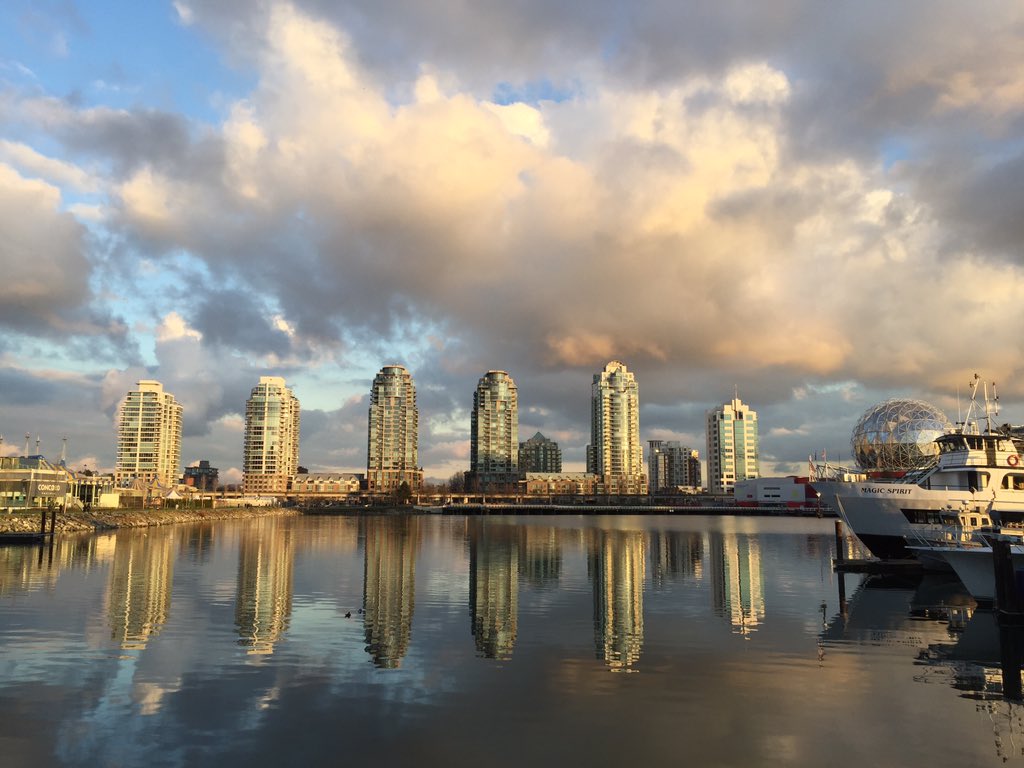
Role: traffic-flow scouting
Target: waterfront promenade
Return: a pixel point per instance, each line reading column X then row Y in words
column 78, row 521
column 512, row 508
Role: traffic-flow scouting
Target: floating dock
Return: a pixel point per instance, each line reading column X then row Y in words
column 23, row 537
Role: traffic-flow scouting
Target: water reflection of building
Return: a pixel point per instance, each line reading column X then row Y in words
column 676, row 555
column 616, row 568
column 26, row 569
column 389, row 587
column 737, row 581
column 22, row 569
column 493, row 587
column 541, row 562
column 263, row 603
column 197, row 541
column 140, row 586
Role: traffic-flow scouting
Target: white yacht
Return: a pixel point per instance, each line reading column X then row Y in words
column 972, row 563
column 978, row 473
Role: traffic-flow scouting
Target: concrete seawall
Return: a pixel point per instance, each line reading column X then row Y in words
column 103, row 519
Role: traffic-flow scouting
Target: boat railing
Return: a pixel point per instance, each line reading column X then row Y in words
column 946, row 535
column 955, row 529
column 917, row 474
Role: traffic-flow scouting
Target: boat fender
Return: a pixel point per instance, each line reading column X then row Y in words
column 1013, row 459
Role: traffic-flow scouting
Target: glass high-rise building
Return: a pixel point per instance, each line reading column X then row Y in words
column 732, row 446
column 494, row 429
column 615, row 452
column 270, row 454
column 540, row 454
column 392, row 454
column 672, row 467
column 148, row 436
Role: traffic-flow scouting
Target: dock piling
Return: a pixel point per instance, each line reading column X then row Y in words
column 1011, row 657
column 1007, row 597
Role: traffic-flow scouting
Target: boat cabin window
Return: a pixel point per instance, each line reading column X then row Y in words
column 951, row 444
column 957, row 480
column 1014, row 481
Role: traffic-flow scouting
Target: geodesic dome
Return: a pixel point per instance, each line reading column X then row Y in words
column 897, row 435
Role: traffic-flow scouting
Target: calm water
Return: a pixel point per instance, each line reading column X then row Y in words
column 449, row 641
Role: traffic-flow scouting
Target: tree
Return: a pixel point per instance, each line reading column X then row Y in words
column 457, row 482
column 403, row 493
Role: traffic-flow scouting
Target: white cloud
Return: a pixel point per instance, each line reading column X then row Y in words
column 185, row 13
column 173, row 327
column 681, row 213
column 49, row 169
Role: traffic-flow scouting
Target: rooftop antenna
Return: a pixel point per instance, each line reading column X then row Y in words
column 27, row 438
column 64, row 450
column 971, row 419
column 38, row 441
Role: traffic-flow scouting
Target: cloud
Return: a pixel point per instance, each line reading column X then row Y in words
column 52, row 170
column 44, row 263
column 50, row 405
column 811, row 206
column 236, row 318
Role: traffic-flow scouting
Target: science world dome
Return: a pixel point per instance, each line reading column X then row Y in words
column 897, row 435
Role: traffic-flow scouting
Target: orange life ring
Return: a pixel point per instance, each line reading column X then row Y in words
column 1013, row 459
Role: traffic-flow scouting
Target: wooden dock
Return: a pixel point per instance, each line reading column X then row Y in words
column 23, row 537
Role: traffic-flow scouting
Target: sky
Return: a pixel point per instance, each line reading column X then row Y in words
column 813, row 206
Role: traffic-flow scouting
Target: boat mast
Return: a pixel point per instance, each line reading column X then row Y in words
column 993, row 411
column 970, row 424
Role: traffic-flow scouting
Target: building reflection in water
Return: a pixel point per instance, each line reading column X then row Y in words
column 197, row 541
column 676, row 555
column 737, row 580
column 389, row 587
column 263, row 603
column 541, row 563
column 493, row 587
column 25, row 569
column 139, row 594
column 615, row 564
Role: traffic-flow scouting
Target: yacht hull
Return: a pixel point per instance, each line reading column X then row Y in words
column 884, row 515
column 974, row 568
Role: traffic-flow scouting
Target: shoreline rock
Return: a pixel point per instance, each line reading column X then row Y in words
column 111, row 519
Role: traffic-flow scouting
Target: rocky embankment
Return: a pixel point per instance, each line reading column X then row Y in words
column 108, row 519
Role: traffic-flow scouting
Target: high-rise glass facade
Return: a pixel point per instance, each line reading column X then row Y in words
column 270, row 453
column 539, row 454
column 731, row 446
column 148, row 436
column 615, row 453
column 672, row 467
column 494, row 429
column 392, row 454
